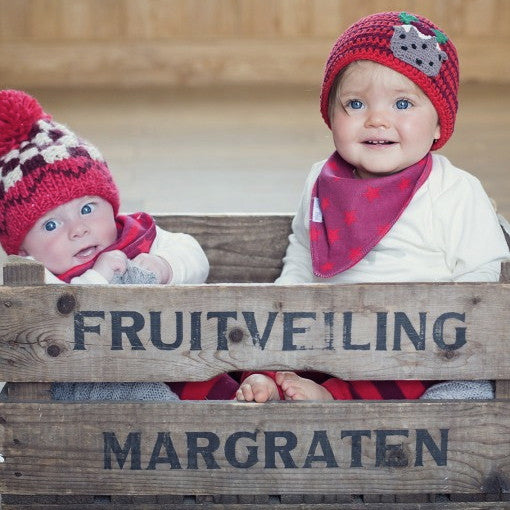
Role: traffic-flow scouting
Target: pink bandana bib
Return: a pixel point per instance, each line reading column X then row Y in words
column 349, row 216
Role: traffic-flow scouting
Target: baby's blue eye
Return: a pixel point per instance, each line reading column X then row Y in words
column 356, row 104
column 86, row 209
column 403, row 104
column 50, row 225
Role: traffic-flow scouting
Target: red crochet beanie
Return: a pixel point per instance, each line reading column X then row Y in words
column 412, row 46
column 42, row 165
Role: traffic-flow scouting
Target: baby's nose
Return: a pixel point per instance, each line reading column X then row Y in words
column 377, row 118
column 79, row 229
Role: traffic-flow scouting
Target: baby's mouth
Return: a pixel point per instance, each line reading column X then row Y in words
column 86, row 252
column 378, row 142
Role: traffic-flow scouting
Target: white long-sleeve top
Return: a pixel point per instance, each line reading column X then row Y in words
column 186, row 258
column 448, row 232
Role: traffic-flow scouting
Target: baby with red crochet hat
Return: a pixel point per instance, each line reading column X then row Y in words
column 382, row 207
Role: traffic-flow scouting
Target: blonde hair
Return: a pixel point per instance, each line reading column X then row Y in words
column 332, row 99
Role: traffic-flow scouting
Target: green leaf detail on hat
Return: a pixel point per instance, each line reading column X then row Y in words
column 441, row 38
column 407, row 18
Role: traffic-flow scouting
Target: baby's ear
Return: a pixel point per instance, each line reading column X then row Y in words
column 437, row 132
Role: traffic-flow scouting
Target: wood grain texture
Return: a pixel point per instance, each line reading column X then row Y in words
column 195, row 503
column 148, row 42
column 240, row 248
column 503, row 386
column 19, row 271
column 40, row 20
column 22, row 272
column 192, row 332
column 199, row 63
column 40, row 442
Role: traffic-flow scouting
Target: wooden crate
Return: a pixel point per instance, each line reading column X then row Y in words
column 233, row 455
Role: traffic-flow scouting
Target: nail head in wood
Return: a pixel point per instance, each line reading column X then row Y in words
column 236, row 335
column 66, row 303
column 53, row 351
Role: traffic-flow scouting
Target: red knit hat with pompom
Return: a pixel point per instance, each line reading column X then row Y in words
column 42, row 165
column 412, row 46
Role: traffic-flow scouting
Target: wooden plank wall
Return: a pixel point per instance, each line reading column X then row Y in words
column 182, row 42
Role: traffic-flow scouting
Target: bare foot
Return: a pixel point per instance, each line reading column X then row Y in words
column 258, row 388
column 298, row 388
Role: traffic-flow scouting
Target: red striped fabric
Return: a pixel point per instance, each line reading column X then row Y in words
column 224, row 387
column 221, row 387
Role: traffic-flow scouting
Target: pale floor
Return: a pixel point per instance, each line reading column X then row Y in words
column 248, row 149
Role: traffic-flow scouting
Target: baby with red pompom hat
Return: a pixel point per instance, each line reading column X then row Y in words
column 60, row 206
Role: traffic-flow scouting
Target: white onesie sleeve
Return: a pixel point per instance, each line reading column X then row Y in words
column 469, row 229
column 186, row 257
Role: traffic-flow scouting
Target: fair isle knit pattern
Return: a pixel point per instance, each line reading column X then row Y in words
column 47, row 143
column 409, row 44
column 42, row 165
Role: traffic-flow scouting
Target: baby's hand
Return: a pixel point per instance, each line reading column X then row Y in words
column 109, row 263
column 157, row 265
column 258, row 388
column 298, row 388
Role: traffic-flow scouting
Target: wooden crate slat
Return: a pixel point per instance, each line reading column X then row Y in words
column 241, row 247
column 189, row 505
column 20, row 271
column 411, row 331
column 277, row 448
